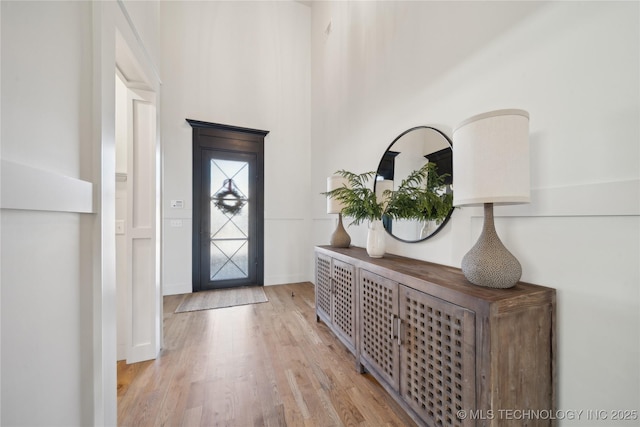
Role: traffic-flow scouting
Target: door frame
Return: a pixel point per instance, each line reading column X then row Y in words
column 223, row 137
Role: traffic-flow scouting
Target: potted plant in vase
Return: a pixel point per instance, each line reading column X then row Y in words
column 361, row 204
column 420, row 196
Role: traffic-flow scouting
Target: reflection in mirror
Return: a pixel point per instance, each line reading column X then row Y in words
column 409, row 152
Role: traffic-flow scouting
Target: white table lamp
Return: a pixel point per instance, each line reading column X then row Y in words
column 491, row 166
column 339, row 238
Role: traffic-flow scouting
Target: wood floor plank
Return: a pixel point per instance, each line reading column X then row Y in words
column 192, row 417
column 268, row 364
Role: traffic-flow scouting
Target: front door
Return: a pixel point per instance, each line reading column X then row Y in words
column 228, row 205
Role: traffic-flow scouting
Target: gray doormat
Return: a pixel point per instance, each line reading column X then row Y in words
column 220, row 298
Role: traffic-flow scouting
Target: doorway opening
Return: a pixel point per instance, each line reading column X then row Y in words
column 137, row 203
column 228, row 206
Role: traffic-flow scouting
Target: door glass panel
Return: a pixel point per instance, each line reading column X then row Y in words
column 229, row 220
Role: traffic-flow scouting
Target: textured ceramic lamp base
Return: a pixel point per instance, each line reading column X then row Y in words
column 489, row 263
column 340, row 238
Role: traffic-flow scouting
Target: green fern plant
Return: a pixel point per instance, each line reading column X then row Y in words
column 420, row 196
column 358, row 198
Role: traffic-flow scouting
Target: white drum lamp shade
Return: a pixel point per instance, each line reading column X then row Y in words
column 339, row 238
column 491, row 166
column 334, row 206
column 491, row 159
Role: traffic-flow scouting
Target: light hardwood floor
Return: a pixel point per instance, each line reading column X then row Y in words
column 268, row 364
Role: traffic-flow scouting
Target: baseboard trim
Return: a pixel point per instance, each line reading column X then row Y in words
column 176, row 289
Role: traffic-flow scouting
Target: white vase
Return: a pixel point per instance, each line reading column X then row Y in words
column 375, row 239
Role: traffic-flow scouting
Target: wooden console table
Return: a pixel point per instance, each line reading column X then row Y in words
column 449, row 352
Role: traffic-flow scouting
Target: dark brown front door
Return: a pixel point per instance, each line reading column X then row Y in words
column 228, row 206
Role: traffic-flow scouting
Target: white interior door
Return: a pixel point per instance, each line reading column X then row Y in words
column 144, row 302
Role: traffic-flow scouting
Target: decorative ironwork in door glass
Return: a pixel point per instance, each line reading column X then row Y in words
column 229, row 220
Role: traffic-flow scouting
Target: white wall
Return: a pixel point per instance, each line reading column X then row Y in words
column 387, row 66
column 57, row 251
column 47, row 349
column 145, row 17
column 243, row 64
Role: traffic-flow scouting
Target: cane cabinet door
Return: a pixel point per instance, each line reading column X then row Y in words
column 437, row 358
column 380, row 324
column 344, row 300
column 323, row 287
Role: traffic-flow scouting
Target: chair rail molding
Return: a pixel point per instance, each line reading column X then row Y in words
column 28, row 188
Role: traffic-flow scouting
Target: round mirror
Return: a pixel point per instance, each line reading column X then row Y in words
column 407, row 153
